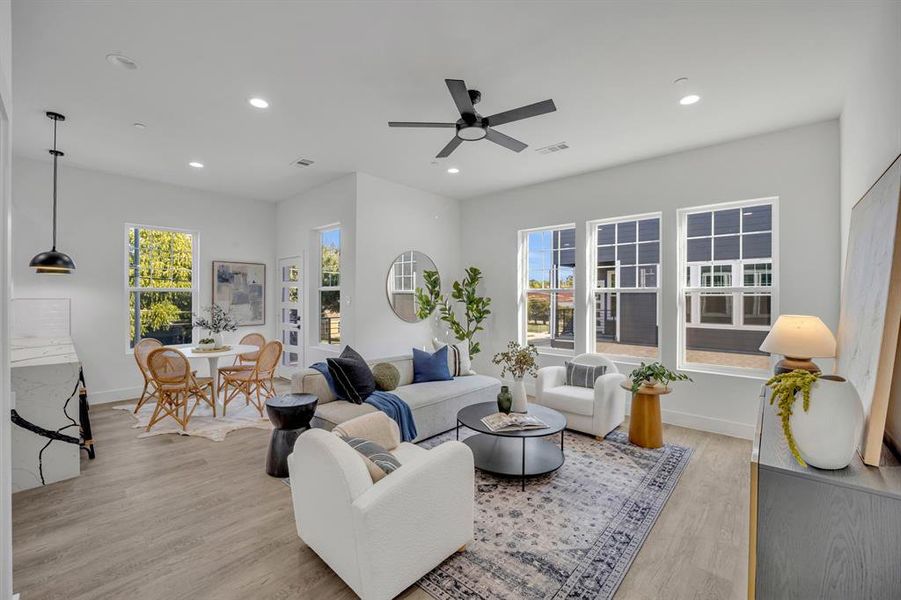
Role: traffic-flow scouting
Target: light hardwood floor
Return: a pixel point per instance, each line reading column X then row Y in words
column 179, row 517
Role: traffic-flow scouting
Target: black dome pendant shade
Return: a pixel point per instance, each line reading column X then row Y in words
column 53, row 261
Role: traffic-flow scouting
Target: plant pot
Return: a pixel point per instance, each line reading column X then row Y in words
column 206, row 345
column 828, row 433
column 504, row 400
column 520, row 401
column 217, row 338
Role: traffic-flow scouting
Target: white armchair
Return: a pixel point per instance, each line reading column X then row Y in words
column 380, row 538
column 596, row 411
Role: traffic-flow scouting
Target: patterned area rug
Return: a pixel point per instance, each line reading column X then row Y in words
column 202, row 423
column 571, row 534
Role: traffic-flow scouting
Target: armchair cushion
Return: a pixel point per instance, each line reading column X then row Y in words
column 569, row 399
column 379, row 462
column 583, row 375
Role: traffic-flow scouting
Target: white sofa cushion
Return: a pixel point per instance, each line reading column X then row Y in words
column 569, row 398
column 405, row 452
column 432, row 392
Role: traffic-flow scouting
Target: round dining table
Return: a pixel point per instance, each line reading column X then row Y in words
column 213, row 357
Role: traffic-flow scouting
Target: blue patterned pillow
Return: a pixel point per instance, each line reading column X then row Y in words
column 583, row 375
column 430, row 367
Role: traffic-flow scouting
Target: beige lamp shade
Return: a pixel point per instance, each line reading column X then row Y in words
column 800, row 336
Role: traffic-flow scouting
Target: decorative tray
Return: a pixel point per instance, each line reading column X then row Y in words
column 222, row 349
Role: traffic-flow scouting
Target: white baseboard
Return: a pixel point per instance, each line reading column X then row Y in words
column 107, row 396
column 709, row 424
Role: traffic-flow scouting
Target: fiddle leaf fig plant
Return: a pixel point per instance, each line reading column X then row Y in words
column 652, row 373
column 465, row 293
column 785, row 387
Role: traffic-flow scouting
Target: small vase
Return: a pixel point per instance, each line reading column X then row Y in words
column 828, row 433
column 504, row 400
column 217, row 338
column 520, row 402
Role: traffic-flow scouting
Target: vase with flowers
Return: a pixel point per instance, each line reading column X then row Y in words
column 518, row 361
column 218, row 322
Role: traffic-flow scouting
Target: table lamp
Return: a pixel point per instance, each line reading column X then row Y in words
column 799, row 338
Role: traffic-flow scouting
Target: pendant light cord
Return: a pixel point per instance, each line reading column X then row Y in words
column 55, row 157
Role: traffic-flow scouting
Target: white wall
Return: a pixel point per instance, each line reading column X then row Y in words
column 871, row 117
column 392, row 218
column 799, row 165
column 379, row 220
column 6, row 564
column 93, row 210
column 298, row 219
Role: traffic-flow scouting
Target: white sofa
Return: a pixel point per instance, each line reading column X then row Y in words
column 382, row 537
column 597, row 411
column 434, row 404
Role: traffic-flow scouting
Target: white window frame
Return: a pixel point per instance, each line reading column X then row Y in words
column 195, row 275
column 737, row 291
column 592, row 238
column 523, row 284
column 328, row 288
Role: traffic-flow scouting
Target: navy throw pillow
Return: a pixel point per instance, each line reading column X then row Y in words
column 353, row 378
column 430, row 367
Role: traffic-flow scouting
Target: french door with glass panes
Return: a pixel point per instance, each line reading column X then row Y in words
column 290, row 314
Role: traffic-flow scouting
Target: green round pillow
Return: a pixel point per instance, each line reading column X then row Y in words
column 386, row 376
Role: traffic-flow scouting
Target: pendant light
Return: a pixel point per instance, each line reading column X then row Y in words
column 53, row 261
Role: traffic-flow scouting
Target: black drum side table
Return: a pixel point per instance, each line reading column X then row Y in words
column 291, row 415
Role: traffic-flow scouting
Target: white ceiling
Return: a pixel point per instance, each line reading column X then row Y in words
column 335, row 72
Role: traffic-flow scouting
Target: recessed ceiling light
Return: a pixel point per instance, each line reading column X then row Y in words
column 689, row 99
column 122, row 61
column 195, row 164
column 139, row 125
column 453, row 170
column 258, row 103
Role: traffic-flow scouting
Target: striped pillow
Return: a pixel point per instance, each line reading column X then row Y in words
column 378, row 461
column 458, row 362
column 583, row 375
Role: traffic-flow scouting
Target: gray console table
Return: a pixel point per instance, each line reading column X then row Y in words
column 821, row 534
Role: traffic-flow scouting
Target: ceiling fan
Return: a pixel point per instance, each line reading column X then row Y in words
column 472, row 126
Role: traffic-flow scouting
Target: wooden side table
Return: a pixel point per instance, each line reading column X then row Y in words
column 645, row 426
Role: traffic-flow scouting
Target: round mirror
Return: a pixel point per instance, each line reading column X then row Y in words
column 412, row 285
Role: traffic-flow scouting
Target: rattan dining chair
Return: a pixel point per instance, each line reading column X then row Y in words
column 142, row 351
column 175, row 386
column 246, row 361
column 256, row 384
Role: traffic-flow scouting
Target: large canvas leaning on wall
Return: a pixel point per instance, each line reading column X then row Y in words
column 871, row 304
column 240, row 288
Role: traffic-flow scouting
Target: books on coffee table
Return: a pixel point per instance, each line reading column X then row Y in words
column 512, row 422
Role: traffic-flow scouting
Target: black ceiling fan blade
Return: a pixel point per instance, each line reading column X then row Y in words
column 451, row 146
column 523, row 112
column 418, row 124
column 506, row 141
column 460, row 95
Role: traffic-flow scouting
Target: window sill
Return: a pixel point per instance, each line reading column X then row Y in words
column 755, row 374
column 556, row 352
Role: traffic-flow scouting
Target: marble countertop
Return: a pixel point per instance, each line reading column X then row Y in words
column 33, row 352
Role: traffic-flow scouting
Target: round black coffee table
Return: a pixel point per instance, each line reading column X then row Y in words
column 516, row 453
column 291, row 415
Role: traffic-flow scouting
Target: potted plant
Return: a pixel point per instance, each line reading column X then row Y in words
column 654, row 374
column 519, row 361
column 206, row 343
column 219, row 321
column 824, row 433
column 475, row 307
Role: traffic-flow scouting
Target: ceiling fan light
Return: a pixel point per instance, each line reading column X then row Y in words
column 471, row 133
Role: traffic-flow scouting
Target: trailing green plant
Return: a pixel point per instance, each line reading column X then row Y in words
column 785, row 387
column 429, row 299
column 475, row 307
column 517, row 360
column 645, row 374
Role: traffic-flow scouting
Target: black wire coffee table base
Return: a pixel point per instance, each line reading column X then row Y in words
column 514, row 453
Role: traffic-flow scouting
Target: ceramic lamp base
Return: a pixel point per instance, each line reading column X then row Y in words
column 789, row 364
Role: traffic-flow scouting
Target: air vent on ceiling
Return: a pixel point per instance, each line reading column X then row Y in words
column 302, row 162
column 552, row 148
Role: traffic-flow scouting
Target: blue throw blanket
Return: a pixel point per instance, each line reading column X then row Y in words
column 388, row 403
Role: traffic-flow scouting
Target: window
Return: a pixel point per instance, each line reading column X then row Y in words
column 160, row 283
column 726, row 253
column 626, row 284
column 330, row 286
column 546, row 291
